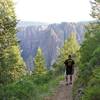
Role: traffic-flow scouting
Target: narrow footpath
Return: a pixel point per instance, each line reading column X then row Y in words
column 63, row 92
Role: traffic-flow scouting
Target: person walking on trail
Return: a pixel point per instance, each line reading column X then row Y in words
column 69, row 66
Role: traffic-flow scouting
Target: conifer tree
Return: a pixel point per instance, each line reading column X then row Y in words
column 39, row 62
column 90, row 59
column 12, row 66
column 71, row 46
column 92, row 36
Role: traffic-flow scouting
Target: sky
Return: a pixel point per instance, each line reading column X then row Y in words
column 53, row 11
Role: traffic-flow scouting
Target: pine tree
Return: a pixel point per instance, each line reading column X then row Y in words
column 92, row 36
column 39, row 62
column 95, row 9
column 90, row 59
column 12, row 66
column 71, row 46
column 7, row 24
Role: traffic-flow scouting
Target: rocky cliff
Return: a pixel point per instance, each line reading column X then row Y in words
column 50, row 37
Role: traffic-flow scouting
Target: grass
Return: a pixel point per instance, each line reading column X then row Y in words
column 28, row 89
column 48, row 89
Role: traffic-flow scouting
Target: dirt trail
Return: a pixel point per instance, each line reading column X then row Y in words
column 64, row 92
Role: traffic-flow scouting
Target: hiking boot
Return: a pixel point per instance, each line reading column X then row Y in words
column 66, row 83
column 70, row 83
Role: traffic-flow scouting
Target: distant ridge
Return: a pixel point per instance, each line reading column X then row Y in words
column 29, row 23
column 49, row 37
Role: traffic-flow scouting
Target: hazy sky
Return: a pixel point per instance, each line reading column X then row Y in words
column 53, row 10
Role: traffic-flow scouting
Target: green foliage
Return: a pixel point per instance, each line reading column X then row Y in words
column 39, row 63
column 96, row 9
column 92, row 92
column 71, row 46
column 98, row 0
column 20, row 90
column 43, row 78
column 11, row 63
column 33, row 87
column 88, row 87
column 7, row 24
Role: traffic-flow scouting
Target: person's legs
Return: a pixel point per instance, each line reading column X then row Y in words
column 67, row 76
column 66, row 79
column 71, row 74
column 70, row 79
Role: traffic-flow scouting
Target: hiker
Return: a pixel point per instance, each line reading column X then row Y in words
column 69, row 66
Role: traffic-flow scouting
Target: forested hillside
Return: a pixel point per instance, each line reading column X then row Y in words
column 17, row 83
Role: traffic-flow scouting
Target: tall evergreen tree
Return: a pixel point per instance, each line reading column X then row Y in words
column 12, row 66
column 90, row 59
column 71, row 46
column 39, row 62
column 92, row 36
column 96, row 9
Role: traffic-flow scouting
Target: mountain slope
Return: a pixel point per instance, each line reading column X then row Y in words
column 50, row 37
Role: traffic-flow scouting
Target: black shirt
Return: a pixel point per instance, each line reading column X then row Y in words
column 69, row 63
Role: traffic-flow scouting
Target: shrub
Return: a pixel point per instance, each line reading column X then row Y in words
column 92, row 92
column 21, row 90
column 40, row 79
